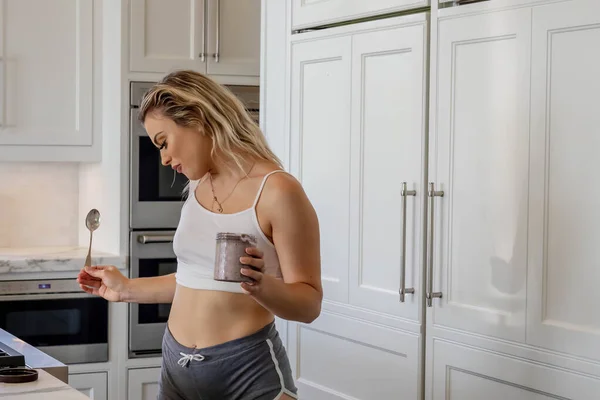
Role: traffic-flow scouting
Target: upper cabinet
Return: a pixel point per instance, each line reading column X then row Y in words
column 215, row 37
column 167, row 35
column 310, row 13
column 47, row 81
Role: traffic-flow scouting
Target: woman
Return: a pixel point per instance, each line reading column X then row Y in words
column 221, row 341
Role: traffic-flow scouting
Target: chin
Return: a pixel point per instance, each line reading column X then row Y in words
column 191, row 175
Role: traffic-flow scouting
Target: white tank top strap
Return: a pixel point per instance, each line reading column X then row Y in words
column 262, row 185
column 192, row 185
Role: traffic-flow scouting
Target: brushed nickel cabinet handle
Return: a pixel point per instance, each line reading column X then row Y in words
column 430, row 293
column 218, row 29
column 403, row 289
column 202, row 54
column 2, row 92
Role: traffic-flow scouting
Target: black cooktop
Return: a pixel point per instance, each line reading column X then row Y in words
column 9, row 357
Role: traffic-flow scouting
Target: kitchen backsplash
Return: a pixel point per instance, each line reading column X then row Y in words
column 38, row 204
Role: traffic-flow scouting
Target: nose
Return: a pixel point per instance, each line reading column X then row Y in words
column 165, row 160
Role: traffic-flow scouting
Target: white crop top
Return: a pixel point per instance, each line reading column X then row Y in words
column 194, row 243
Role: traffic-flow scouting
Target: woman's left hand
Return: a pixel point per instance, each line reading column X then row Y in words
column 254, row 270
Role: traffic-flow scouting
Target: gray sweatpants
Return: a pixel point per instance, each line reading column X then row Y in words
column 254, row 367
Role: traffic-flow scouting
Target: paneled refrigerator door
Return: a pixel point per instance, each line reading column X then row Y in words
column 563, row 296
column 479, row 162
column 320, row 148
column 357, row 125
column 387, row 193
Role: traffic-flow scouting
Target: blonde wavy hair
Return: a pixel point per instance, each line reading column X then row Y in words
column 193, row 100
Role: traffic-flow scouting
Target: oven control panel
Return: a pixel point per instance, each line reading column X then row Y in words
column 39, row 287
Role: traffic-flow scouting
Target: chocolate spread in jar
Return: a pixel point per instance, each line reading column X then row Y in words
column 229, row 248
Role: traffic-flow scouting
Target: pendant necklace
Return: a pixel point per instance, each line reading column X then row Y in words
column 220, row 203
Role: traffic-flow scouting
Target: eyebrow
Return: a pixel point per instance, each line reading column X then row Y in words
column 156, row 137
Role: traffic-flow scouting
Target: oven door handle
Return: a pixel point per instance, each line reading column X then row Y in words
column 47, row 296
column 165, row 238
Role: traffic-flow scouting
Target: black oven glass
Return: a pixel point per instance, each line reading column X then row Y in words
column 155, row 313
column 156, row 181
column 56, row 322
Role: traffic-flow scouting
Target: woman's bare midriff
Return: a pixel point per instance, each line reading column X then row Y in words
column 203, row 318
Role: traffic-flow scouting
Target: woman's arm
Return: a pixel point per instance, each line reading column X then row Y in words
column 154, row 290
column 108, row 282
column 295, row 232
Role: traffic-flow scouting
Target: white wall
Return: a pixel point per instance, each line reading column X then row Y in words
column 38, row 204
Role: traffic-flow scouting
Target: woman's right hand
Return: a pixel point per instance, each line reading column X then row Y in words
column 103, row 280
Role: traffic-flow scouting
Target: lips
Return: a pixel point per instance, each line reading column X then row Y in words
column 178, row 168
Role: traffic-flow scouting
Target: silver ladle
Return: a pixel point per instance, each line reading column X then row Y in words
column 92, row 222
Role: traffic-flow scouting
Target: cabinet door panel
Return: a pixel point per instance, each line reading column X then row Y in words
column 46, row 72
column 233, row 32
column 167, row 35
column 480, row 160
column 320, row 143
column 94, row 385
column 323, row 357
column 565, row 218
column 143, row 383
column 388, row 129
column 464, row 372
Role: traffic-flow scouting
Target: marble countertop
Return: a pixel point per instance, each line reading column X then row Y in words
column 52, row 375
column 35, row 358
column 45, row 387
column 52, row 259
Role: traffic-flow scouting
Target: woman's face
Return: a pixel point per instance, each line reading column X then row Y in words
column 186, row 150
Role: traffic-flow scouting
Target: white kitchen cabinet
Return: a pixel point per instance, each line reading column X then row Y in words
column 480, row 159
column 324, row 356
column 311, row 13
column 358, row 102
column 94, row 385
column 47, row 81
column 564, row 219
column 465, row 372
column 508, row 226
column 233, row 37
column 143, row 383
column 513, row 254
column 320, row 129
column 215, row 37
column 357, row 120
column 167, row 35
column 387, row 140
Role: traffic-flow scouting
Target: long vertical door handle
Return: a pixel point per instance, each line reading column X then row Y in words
column 403, row 289
column 430, row 293
column 218, row 29
column 204, row 22
column 2, row 92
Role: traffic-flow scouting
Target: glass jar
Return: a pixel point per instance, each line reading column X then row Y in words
column 229, row 248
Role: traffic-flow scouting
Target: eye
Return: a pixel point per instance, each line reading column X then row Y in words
column 163, row 145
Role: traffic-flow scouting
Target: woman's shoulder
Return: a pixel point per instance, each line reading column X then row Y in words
column 282, row 190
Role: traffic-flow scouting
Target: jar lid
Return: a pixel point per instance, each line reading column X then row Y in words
column 244, row 237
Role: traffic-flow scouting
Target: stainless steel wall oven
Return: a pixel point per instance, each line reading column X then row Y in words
column 56, row 317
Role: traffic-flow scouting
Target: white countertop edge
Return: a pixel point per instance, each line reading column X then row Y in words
column 46, row 387
column 53, row 259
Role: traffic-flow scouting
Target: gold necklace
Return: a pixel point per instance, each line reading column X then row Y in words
column 212, row 187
